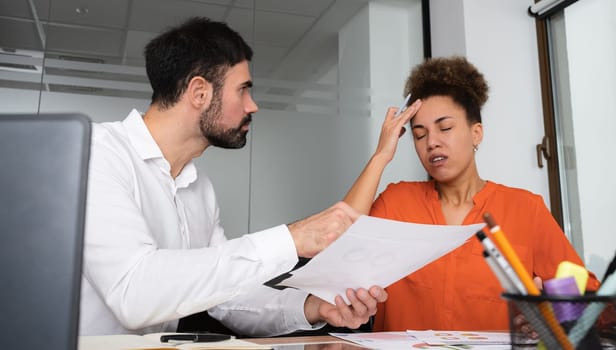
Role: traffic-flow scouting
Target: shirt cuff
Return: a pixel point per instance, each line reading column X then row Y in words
column 276, row 249
column 296, row 317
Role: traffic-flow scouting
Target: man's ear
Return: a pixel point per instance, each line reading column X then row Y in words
column 199, row 92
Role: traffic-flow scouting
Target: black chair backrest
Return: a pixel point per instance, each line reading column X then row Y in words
column 43, row 175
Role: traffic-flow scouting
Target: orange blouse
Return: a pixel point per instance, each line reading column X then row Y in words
column 459, row 291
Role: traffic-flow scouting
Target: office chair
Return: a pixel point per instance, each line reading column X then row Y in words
column 44, row 162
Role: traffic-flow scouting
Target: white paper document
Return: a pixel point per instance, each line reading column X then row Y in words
column 375, row 251
column 444, row 337
column 408, row 340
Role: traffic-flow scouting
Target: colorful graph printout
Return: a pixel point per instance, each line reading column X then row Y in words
column 457, row 337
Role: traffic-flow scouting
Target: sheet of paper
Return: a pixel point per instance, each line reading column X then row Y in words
column 462, row 337
column 381, row 340
column 405, row 341
column 376, row 251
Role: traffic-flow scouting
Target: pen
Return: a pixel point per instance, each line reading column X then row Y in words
column 403, row 105
column 610, row 269
column 518, row 267
column 499, row 273
column 592, row 311
column 194, row 337
column 503, row 266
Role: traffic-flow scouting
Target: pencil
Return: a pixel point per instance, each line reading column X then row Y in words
column 503, row 244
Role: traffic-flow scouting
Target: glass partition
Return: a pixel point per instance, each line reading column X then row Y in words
column 324, row 72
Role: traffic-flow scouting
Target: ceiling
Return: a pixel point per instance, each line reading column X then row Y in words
column 95, row 47
column 292, row 39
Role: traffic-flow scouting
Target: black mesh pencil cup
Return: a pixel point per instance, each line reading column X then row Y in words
column 533, row 319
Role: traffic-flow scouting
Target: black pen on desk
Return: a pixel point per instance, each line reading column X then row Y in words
column 194, row 337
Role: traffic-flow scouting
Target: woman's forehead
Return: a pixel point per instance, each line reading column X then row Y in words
column 434, row 108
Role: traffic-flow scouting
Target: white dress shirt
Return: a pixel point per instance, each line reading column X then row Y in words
column 155, row 250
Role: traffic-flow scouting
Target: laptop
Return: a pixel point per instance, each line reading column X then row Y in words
column 43, row 173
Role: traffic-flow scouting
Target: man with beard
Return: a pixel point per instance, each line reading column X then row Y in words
column 154, row 247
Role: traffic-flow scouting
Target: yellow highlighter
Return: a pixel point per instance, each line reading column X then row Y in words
column 567, row 268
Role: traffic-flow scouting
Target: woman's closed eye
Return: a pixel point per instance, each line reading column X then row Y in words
column 419, row 135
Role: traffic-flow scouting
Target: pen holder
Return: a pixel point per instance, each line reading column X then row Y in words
column 533, row 318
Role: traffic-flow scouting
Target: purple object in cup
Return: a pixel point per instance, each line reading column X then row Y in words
column 565, row 286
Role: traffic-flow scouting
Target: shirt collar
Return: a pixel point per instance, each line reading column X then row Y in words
column 140, row 137
column 485, row 193
column 479, row 197
column 186, row 176
column 147, row 148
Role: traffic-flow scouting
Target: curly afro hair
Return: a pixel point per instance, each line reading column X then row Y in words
column 454, row 77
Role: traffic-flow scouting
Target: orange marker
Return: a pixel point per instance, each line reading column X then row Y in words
column 506, row 249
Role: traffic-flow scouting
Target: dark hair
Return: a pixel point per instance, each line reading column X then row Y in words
column 454, row 77
column 198, row 47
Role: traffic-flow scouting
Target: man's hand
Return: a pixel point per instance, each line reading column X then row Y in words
column 316, row 232
column 363, row 305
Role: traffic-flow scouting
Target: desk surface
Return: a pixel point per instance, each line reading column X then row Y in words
column 324, row 342
column 151, row 341
column 296, row 340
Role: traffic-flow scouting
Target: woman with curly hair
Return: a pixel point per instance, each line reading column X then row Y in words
column 457, row 291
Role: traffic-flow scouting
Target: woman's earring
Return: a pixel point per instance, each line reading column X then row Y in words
column 475, row 148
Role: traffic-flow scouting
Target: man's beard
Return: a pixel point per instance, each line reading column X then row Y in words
column 216, row 136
